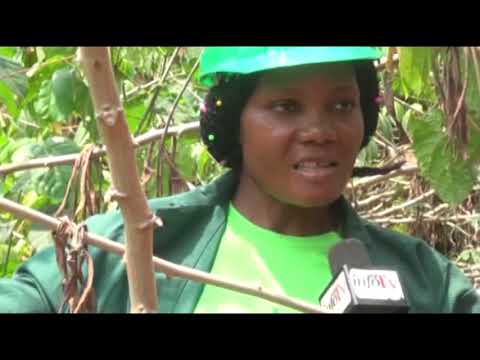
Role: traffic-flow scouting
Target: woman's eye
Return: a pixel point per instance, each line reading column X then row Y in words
column 344, row 106
column 287, row 106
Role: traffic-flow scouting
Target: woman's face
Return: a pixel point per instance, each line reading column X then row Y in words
column 301, row 132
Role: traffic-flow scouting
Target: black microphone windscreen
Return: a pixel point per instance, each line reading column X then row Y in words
column 350, row 252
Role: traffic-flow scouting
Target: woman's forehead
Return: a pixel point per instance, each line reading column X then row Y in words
column 330, row 73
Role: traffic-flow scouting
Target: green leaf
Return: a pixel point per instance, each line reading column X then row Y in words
column 185, row 158
column 207, row 167
column 39, row 237
column 470, row 256
column 58, row 51
column 452, row 178
column 33, row 200
column 6, row 229
column 42, row 104
column 368, row 154
column 12, row 267
column 46, row 105
column 7, row 151
column 415, row 65
column 386, row 126
column 7, row 184
column 48, row 182
column 44, row 70
column 17, row 254
column 63, row 90
column 8, row 51
column 203, row 159
column 82, row 136
column 12, row 75
column 3, row 140
column 472, row 96
column 474, row 143
column 40, row 91
column 134, row 111
column 7, row 97
column 83, row 101
column 22, row 249
column 125, row 70
column 13, row 261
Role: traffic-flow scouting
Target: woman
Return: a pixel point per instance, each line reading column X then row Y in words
column 289, row 122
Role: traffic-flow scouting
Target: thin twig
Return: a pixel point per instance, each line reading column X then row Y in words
column 160, row 172
column 424, row 219
column 174, row 106
column 406, row 170
column 10, row 244
column 374, row 198
column 147, row 168
column 172, row 164
column 199, row 99
column 458, row 228
column 436, row 210
column 372, row 211
column 404, row 103
column 157, row 92
column 461, row 100
column 406, row 204
column 166, row 267
column 26, row 70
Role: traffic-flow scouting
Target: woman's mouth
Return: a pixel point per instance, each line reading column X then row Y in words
column 315, row 168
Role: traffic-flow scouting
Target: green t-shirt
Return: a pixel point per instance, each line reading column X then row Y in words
column 291, row 265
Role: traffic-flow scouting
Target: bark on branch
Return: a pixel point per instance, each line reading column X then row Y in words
column 138, row 219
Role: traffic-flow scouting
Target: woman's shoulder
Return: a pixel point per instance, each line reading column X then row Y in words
column 433, row 282
column 385, row 237
column 404, row 249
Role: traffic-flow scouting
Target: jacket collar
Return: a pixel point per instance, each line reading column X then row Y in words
column 352, row 226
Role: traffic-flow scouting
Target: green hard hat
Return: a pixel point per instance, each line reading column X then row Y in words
column 250, row 59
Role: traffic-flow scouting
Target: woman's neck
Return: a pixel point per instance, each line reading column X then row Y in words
column 270, row 213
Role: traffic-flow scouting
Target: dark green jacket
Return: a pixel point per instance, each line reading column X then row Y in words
column 193, row 226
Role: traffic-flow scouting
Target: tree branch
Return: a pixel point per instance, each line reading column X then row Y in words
column 138, row 219
column 141, row 140
column 405, row 170
column 175, row 103
column 406, row 204
column 373, row 198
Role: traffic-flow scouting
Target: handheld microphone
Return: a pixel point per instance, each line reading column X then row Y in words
column 357, row 286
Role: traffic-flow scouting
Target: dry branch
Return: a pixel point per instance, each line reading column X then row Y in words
column 138, row 219
column 405, row 170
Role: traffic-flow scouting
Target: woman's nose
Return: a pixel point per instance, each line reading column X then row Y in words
column 317, row 128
